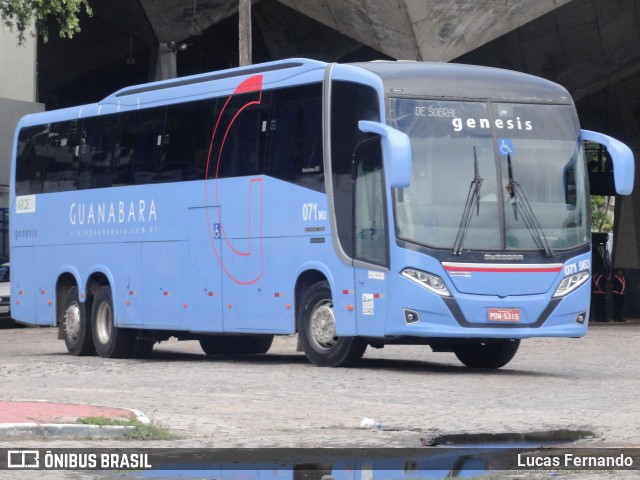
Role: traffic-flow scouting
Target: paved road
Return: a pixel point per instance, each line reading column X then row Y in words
column 279, row 399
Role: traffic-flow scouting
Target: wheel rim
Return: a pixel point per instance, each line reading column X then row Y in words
column 72, row 321
column 323, row 325
column 104, row 323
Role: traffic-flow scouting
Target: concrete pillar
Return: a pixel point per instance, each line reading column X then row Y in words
column 166, row 64
column 244, row 29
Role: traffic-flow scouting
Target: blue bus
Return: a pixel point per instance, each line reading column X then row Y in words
column 356, row 205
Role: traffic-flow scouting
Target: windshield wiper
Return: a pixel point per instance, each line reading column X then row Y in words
column 473, row 200
column 518, row 197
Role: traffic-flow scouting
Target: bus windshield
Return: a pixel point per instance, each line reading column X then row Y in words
column 492, row 176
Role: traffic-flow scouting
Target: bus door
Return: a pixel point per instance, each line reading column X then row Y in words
column 371, row 250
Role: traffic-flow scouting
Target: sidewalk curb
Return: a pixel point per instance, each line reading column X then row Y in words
column 68, row 430
column 35, row 430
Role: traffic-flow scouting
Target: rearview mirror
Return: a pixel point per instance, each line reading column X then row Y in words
column 622, row 157
column 396, row 151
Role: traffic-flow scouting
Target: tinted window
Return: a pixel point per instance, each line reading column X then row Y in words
column 187, row 138
column 31, row 159
column 295, row 137
column 48, row 157
column 65, row 141
column 369, row 220
column 350, row 103
column 239, row 137
column 96, row 154
column 179, row 142
column 137, row 155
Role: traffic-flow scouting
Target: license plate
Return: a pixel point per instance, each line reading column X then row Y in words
column 4, row 309
column 504, row 314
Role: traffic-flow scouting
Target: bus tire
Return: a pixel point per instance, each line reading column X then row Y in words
column 317, row 331
column 217, row 344
column 109, row 340
column 77, row 327
column 257, row 344
column 493, row 354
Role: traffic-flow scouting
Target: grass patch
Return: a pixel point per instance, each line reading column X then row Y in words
column 142, row 431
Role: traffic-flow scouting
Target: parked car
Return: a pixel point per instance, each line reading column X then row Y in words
column 5, row 293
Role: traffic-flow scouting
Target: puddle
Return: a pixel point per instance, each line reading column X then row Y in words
column 370, row 464
column 509, row 440
column 446, row 456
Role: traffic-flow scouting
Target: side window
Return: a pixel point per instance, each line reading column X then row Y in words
column 31, row 159
column 240, row 131
column 294, row 153
column 187, row 138
column 96, row 154
column 137, row 154
column 65, row 141
column 350, row 103
column 370, row 227
column 47, row 158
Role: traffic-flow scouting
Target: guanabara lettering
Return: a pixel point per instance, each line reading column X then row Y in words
column 105, row 213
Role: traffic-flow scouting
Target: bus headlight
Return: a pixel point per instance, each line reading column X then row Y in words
column 427, row 280
column 570, row 283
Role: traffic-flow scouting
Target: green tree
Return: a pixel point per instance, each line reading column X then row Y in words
column 600, row 216
column 19, row 15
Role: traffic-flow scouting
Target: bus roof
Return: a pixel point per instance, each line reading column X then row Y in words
column 452, row 80
column 400, row 78
column 274, row 73
column 293, row 71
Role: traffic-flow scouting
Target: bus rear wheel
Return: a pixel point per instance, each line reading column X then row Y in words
column 77, row 328
column 494, row 354
column 317, row 331
column 257, row 344
column 109, row 340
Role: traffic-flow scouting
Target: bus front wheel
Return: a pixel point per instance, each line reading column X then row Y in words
column 77, row 328
column 109, row 340
column 493, row 354
column 317, row 331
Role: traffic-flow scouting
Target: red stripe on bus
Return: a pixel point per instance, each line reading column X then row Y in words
column 251, row 84
column 522, row 269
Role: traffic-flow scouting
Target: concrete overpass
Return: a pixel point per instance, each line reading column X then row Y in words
column 146, row 31
column 592, row 47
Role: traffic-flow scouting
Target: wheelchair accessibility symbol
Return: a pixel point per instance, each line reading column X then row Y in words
column 216, row 231
column 505, row 146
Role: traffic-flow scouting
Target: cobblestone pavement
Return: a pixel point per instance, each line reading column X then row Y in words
column 280, row 400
